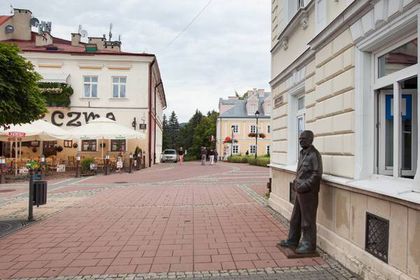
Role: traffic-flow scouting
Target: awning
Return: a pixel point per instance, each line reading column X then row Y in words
column 55, row 78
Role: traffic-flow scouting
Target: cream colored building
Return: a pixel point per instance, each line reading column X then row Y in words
column 107, row 82
column 344, row 69
column 237, row 120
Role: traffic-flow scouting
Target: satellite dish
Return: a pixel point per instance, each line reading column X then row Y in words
column 83, row 33
column 34, row 22
column 9, row 29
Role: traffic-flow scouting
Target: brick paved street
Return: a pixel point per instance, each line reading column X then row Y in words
column 169, row 221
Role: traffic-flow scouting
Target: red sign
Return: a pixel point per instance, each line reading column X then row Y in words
column 16, row 134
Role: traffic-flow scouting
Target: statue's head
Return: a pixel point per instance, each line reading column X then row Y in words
column 306, row 138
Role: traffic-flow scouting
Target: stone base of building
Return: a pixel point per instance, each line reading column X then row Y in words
column 344, row 221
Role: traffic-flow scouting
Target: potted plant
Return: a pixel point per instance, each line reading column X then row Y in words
column 227, row 140
column 85, row 165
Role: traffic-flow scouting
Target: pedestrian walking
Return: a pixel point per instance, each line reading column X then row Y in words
column 211, row 155
column 203, row 155
column 181, row 155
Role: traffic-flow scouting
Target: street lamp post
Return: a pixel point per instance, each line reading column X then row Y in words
column 257, row 114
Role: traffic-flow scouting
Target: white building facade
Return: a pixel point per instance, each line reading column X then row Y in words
column 106, row 82
column 345, row 69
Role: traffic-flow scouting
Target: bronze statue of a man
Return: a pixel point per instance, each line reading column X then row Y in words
column 306, row 185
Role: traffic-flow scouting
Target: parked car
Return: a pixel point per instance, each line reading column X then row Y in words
column 169, row 155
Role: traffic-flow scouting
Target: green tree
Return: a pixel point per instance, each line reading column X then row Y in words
column 173, row 131
column 186, row 134
column 204, row 132
column 21, row 101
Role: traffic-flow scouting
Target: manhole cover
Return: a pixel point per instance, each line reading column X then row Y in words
column 10, row 226
column 120, row 182
column 8, row 190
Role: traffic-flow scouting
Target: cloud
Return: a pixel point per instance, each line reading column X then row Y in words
column 225, row 49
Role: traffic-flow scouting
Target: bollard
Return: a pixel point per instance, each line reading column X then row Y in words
column 106, row 164
column 144, row 162
column 77, row 165
column 130, row 168
column 31, row 195
column 2, row 164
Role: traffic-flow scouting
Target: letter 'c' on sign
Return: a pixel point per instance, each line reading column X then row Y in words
column 58, row 114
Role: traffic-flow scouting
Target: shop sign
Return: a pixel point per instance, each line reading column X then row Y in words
column 74, row 118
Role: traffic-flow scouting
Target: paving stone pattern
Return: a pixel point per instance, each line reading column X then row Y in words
column 168, row 222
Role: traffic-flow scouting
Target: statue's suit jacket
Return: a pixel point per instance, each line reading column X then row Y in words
column 309, row 171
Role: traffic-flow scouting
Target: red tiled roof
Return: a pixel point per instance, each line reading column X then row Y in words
column 3, row 19
column 64, row 46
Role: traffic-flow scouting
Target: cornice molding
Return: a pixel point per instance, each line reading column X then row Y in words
column 351, row 14
column 304, row 58
column 301, row 18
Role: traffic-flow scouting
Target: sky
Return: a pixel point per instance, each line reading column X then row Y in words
column 206, row 49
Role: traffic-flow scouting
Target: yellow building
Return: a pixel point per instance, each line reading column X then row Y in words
column 238, row 121
column 344, row 69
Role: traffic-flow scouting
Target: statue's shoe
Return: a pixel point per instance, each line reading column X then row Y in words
column 287, row 243
column 305, row 249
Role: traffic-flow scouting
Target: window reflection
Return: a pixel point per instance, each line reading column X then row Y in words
column 398, row 59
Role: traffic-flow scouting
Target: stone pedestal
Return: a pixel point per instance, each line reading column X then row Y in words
column 291, row 254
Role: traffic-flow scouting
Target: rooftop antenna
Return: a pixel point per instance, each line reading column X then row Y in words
column 83, row 33
column 110, row 31
column 12, row 10
column 119, row 38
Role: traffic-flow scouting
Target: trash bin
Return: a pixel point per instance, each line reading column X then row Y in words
column 39, row 192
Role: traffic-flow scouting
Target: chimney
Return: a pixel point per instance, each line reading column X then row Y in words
column 99, row 41
column 75, row 39
column 21, row 23
column 43, row 39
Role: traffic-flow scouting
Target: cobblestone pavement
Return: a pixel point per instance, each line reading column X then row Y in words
column 166, row 222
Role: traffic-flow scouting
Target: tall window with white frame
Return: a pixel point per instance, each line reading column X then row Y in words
column 253, row 129
column 252, row 149
column 119, row 87
column 90, row 86
column 300, row 119
column 235, row 149
column 396, row 95
column 235, row 128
